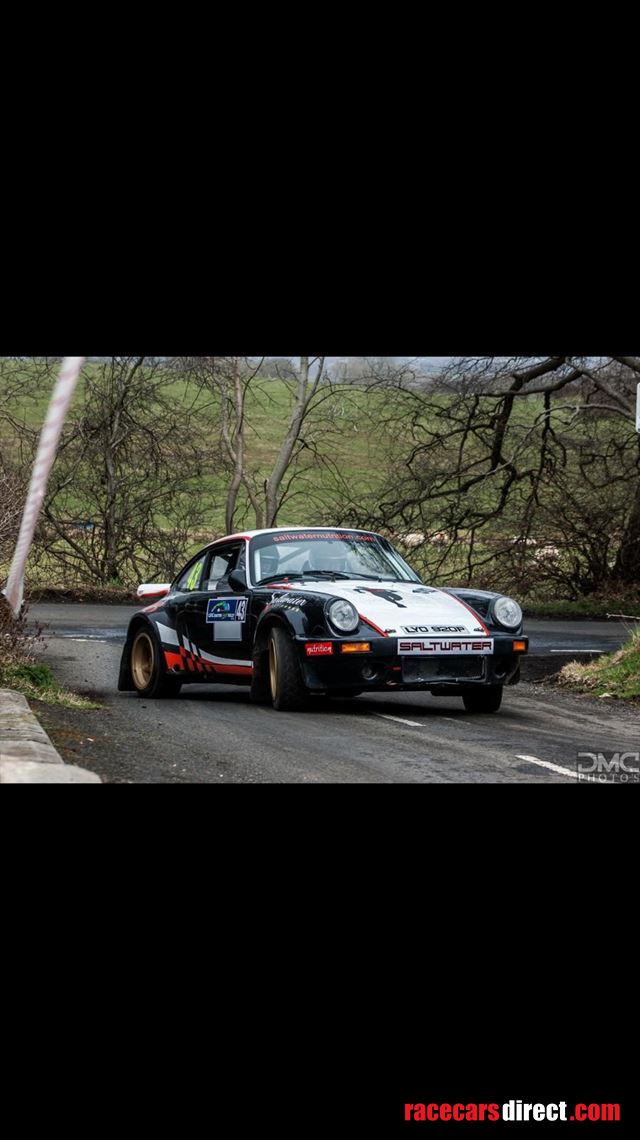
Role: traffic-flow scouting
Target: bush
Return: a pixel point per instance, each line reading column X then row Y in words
column 17, row 641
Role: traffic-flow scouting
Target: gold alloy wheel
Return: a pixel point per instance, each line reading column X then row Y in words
column 273, row 668
column 142, row 655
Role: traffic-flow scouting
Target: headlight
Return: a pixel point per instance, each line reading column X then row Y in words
column 507, row 612
column 343, row 616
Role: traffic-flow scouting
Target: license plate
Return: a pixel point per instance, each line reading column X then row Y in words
column 438, row 669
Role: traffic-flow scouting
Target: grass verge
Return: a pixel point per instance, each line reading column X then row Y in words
column 596, row 608
column 37, row 682
column 616, row 675
column 94, row 595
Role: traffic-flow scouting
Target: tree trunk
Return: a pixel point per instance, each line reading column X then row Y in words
column 237, row 450
column 304, row 395
column 627, row 567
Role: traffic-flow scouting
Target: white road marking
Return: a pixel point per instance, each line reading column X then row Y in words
column 96, row 640
column 401, row 720
column 576, row 651
column 547, row 764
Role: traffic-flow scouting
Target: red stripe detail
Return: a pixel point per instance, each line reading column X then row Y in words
column 151, row 609
column 173, row 659
column 373, row 625
column 243, row 670
column 473, row 612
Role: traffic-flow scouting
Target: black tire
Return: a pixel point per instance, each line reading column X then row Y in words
column 147, row 667
column 260, row 691
column 483, row 700
column 288, row 691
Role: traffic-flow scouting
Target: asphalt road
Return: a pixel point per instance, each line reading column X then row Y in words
column 213, row 734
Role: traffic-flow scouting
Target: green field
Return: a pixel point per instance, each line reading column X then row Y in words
column 339, row 440
column 340, row 446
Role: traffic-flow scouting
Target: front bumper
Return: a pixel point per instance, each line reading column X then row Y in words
column 382, row 668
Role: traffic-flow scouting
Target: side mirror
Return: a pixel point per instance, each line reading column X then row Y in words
column 149, row 590
column 237, row 580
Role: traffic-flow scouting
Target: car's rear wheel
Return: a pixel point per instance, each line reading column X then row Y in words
column 288, row 690
column 147, row 669
column 483, row 700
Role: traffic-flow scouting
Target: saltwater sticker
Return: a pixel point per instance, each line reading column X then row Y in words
column 441, row 645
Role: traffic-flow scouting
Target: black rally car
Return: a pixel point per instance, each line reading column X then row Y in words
column 294, row 611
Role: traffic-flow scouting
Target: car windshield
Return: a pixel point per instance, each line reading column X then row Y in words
column 327, row 554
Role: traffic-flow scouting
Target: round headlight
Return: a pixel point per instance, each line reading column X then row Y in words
column 343, row 616
column 507, row 612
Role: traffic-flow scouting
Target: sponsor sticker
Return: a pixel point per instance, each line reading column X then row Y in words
column 444, row 646
column 194, row 576
column 226, row 609
column 388, row 595
column 313, row 535
column 318, row 648
column 291, row 601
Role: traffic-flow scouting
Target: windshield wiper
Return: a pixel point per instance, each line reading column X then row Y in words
column 333, row 574
column 325, row 574
column 377, row 578
column 280, row 577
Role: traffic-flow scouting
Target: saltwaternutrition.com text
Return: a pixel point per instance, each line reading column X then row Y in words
column 513, row 1110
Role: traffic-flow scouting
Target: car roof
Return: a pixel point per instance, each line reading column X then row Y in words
column 286, row 530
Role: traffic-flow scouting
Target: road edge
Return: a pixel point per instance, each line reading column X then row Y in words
column 27, row 755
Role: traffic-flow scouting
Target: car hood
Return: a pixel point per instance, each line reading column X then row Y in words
column 396, row 607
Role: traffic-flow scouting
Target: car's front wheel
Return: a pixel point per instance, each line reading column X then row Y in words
column 147, row 669
column 260, row 691
column 288, row 690
column 483, row 700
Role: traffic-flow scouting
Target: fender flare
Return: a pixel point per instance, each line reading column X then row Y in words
column 269, row 618
column 125, row 680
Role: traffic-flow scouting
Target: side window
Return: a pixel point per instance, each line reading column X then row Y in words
column 221, row 563
column 192, row 576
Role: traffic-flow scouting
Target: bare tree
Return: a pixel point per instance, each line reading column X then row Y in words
column 12, row 497
column 476, row 463
column 16, row 639
column 125, row 491
column 232, row 381
column 518, row 469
